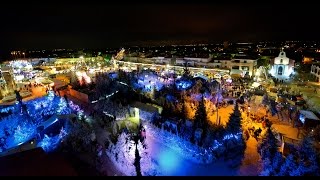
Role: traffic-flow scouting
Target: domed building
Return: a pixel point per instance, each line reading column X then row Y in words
column 282, row 66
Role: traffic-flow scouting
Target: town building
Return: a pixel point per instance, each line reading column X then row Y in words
column 282, row 66
column 315, row 70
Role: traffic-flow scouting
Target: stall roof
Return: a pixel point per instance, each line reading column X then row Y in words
column 309, row 115
column 255, row 84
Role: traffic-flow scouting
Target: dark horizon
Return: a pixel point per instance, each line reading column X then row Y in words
column 45, row 25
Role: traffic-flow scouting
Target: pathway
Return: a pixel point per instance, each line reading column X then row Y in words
column 250, row 164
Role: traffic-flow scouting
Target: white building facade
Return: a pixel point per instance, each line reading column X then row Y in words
column 243, row 66
column 315, row 70
column 282, row 66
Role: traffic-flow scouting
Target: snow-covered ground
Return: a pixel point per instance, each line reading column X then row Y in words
column 169, row 159
column 165, row 159
column 171, row 163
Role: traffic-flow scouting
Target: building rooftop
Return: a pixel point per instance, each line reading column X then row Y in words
column 309, row 115
column 222, row 58
column 244, row 57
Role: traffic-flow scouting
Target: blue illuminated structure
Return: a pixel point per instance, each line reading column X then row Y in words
column 184, row 84
column 49, row 144
column 113, row 75
column 18, row 128
column 146, row 81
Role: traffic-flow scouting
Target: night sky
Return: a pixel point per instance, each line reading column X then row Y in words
column 92, row 25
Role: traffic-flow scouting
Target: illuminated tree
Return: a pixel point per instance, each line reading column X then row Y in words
column 107, row 59
column 191, row 108
column 302, row 163
column 268, row 149
column 263, row 61
column 308, row 162
column 62, row 107
column 271, row 167
column 23, row 132
column 200, row 120
column 183, row 112
column 210, row 108
column 268, row 145
column 197, row 87
column 186, row 71
column 289, row 166
column 234, row 124
column 233, row 139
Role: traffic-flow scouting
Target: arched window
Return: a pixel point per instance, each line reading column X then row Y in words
column 280, row 70
column 281, row 61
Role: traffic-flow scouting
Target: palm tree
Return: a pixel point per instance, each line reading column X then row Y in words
column 136, row 138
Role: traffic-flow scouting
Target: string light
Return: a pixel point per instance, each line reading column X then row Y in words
column 107, row 96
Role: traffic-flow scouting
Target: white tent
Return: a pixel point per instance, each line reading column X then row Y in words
column 309, row 115
column 255, row 84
